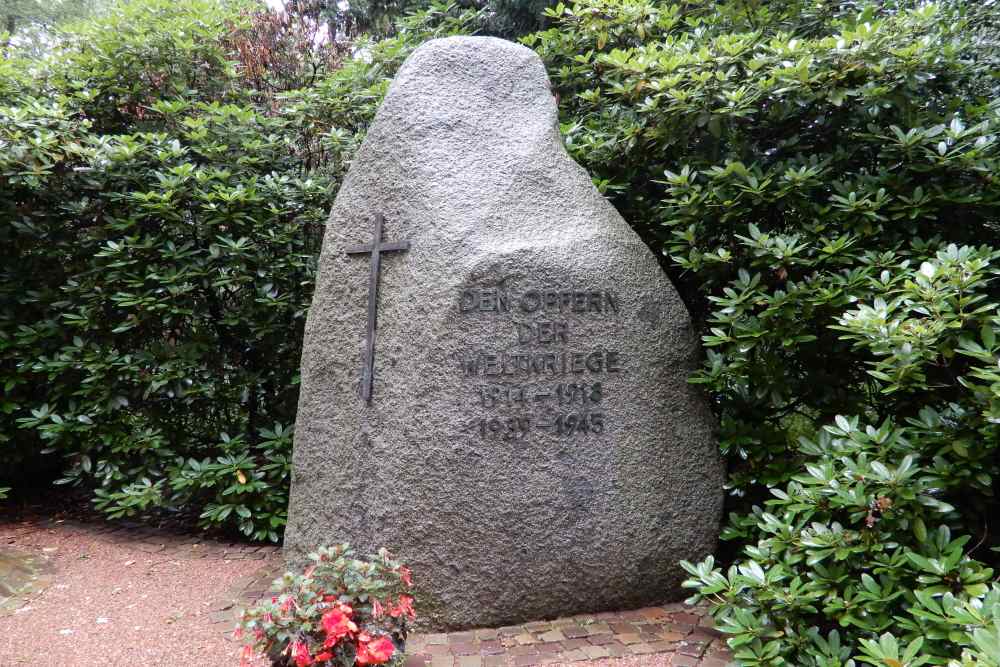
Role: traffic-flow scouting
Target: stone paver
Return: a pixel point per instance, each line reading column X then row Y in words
column 676, row 634
column 21, row 575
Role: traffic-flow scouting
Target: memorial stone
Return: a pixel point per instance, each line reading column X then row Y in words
column 494, row 376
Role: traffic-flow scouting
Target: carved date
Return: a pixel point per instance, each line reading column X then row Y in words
column 565, row 424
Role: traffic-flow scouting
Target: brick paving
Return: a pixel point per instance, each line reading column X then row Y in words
column 679, row 635
column 672, row 635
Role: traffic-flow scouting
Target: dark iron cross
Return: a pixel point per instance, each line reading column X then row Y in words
column 376, row 248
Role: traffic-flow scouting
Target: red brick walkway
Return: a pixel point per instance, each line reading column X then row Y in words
column 124, row 594
column 681, row 635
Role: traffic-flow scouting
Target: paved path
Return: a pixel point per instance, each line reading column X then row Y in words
column 78, row 593
column 676, row 634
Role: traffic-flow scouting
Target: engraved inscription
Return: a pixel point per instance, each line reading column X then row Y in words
column 542, row 333
column 541, row 363
column 551, row 383
column 494, row 300
column 518, row 395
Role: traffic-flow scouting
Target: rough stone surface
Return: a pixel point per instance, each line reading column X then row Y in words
column 502, row 517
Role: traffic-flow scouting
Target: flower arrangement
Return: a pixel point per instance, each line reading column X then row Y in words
column 340, row 611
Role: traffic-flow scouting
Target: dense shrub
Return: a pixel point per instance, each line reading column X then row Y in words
column 821, row 181
column 158, row 250
column 164, row 178
column 855, row 547
column 154, row 286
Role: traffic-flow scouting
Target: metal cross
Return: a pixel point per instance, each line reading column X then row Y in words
column 376, row 248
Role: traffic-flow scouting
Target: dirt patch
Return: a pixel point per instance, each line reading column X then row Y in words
column 113, row 596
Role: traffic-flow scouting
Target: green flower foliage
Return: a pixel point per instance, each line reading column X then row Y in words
column 820, row 179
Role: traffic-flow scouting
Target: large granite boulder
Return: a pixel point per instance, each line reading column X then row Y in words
column 530, row 445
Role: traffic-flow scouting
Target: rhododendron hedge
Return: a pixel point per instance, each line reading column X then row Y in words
column 821, row 182
column 164, row 178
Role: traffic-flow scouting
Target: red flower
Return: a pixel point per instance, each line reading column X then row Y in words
column 301, row 654
column 324, row 656
column 377, row 609
column 404, row 606
column 406, row 575
column 337, row 624
column 373, row 651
